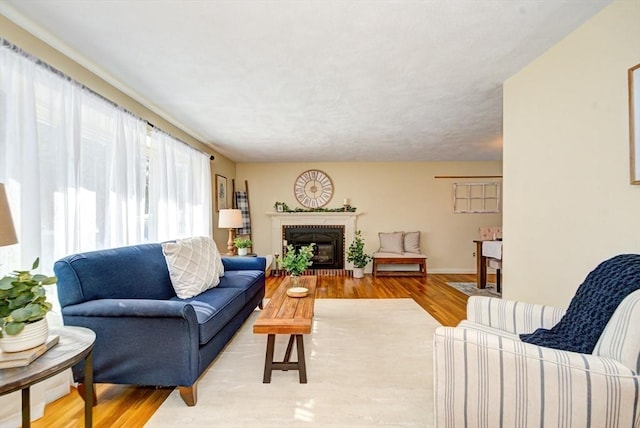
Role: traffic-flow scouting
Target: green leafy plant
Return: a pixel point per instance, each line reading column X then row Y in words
column 296, row 262
column 285, row 208
column 356, row 254
column 242, row 243
column 23, row 299
column 281, row 206
column 323, row 210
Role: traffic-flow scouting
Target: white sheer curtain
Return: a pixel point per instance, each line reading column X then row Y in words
column 179, row 190
column 75, row 169
column 78, row 169
column 74, row 164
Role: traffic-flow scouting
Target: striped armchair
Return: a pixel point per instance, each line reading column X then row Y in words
column 485, row 376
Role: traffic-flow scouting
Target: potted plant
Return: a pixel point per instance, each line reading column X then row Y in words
column 296, row 262
column 23, row 309
column 357, row 256
column 242, row 245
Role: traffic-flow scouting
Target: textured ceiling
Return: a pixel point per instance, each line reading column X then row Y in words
column 316, row 80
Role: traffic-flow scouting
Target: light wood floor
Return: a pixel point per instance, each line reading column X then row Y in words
column 131, row 407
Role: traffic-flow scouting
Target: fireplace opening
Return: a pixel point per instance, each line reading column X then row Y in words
column 329, row 240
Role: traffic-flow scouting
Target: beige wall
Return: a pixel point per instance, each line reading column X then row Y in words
column 392, row 196
column 226, row 168
column 40, row 49
column 568, row 201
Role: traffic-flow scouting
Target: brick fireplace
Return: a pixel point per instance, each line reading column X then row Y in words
column 316, row 226
column 329, row 240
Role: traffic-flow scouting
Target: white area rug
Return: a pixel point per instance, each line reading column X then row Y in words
column 369, row 363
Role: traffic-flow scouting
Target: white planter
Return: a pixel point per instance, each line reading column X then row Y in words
column 243, row 251
column 32, row 335
column 358, row 272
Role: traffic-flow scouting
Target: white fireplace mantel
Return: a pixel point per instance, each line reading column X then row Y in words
column 347, row 219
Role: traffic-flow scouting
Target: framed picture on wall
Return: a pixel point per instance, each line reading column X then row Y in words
column 221, row 192
column 634, row 122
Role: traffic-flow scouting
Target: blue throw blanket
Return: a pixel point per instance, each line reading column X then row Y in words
column 591, row 308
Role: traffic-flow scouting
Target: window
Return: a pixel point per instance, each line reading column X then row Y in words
column 476, row 198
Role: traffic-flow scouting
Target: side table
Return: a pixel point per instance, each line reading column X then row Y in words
column 75, row 345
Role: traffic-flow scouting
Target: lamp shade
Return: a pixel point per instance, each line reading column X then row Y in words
column 7, row 231
column 229, row 219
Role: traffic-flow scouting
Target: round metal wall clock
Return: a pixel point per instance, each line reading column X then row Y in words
column 313, row 188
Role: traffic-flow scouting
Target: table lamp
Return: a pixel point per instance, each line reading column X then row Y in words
column 7, row 231
column 230, row 219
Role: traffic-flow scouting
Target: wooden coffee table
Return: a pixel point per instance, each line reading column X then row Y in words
column 287, row 315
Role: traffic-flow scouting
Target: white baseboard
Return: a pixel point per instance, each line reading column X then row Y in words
column 451, row 270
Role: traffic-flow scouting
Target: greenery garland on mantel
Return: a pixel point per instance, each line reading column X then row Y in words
column 286, row 209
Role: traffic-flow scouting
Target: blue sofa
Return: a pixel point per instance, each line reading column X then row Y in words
column 145, row 334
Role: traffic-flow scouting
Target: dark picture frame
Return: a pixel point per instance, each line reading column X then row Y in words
column 221, row 192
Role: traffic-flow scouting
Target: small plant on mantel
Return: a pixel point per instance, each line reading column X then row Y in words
column 284, row 208
column 296, row 262
column 356, row 254
column 281, row 207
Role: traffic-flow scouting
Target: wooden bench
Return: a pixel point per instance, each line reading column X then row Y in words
column 399, row 259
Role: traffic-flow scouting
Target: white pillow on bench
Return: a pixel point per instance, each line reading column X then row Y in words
column 399, row 242
column 411, row 242
column 390, row 242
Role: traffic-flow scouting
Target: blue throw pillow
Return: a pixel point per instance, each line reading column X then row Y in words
column 592, row 306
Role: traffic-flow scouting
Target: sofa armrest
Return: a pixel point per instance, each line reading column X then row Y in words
column 139, row 308
column 511, row 316
column 244, row 263
column 496, row 381
column 140, row 341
